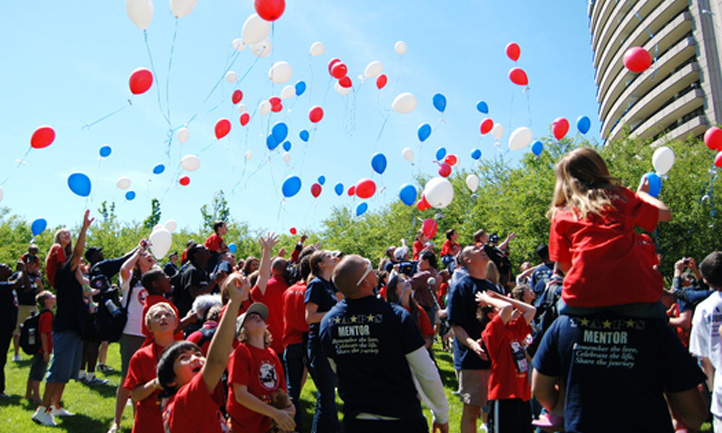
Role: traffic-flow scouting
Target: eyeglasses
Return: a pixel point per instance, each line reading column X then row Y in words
column 369, row 269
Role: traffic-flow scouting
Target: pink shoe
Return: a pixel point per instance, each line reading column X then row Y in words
column 549, row 422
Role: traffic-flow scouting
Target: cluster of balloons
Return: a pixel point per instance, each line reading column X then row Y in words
column 516, row 75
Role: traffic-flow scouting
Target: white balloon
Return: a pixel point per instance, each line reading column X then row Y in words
column 520, row 138
column 140, row 12
column 439, row 192
column 400, row 47
column 262, row 49
column 123, row 182
column 288, row 92
column 404, row 103
column 249, row 155
column 238, row 44
column 157, row 227
column 287, row 157
column 190, row 163
column 255, row 29
column 663, row 160
column 171, row 225
column 340, row 89
column 408, row 154
column 472, row 181
column 160, row 242
column 317, row 48
column 181, row 8
column 374, row 69
column 231, row 77
column 242, row 108
column 280, row 72
column 2, row 193
column 497, row 131
column 264, row 108
column 183, row 134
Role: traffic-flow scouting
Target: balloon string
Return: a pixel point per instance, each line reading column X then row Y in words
column 155, row 75
column 20, row 162
column 167, row 77
column 220, row 80
column 528, row 107
column 88, row 125
column 382, row 127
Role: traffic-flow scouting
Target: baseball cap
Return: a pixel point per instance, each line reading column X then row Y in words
column 258, row 308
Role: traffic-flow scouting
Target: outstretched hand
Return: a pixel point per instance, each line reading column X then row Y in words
column 237, row 287
column 643, row 185
column 87, row 220
column 269, row 241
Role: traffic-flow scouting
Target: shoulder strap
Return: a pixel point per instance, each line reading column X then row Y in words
column 130, row 293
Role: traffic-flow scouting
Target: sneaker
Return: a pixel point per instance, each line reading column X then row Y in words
column 113, row 429
column 60, row 411
column 104, row 368
column 43, row 417
column 549, row 422
column 483, row 428
column 95, row 381
column 16, row 357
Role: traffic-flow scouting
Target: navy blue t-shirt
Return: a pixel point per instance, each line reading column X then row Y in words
column 72, row 311
column 8, row 305
column 462, row 312
column 323, row 294
column 26, row 296
column 616, row 371
column 368, row 340
column 539, row 278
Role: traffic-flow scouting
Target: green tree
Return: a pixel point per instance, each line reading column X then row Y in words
column 219, row 210
column 154, row 217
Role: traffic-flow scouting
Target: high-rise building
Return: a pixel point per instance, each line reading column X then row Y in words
column 681, row 93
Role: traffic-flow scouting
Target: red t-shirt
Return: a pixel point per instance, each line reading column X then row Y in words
column 141, row 370
column 273, row 299
column 416, row 248
column 294, row 314
column 193, row 410
column 151, row 300
column 55, row 259
column 447, row 246
column 213, row 243
column 45, row 326
column 261, row 371
column 610, row 264
column 509, row 376
column 423, row 322
column 441, row 296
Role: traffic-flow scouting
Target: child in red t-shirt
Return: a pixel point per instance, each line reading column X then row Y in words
column 157, row 283
column 191, row 378
column 509, row 389
column 254, row 374
column 46, row 302
column 593, row 239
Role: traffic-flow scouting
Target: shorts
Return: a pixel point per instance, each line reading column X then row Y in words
column 67, row 353
column 473, row 387
column 129, row 344
column 38, row 368
column 510, row 415
column 24, row 311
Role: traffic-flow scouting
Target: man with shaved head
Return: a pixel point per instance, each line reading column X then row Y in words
column 376, row 348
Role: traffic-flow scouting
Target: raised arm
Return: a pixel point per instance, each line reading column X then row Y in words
column 643, row 193
column 264, row 270
column 80, row 243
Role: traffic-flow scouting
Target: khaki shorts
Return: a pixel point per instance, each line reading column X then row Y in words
column 474, row 386
column 24, row 311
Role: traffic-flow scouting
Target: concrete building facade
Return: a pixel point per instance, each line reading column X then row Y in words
column 680, row 95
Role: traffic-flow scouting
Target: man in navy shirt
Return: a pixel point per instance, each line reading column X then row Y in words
column 376, row 348
column 542, row 274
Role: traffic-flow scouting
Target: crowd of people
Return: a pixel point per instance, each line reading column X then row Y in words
column 586, row 340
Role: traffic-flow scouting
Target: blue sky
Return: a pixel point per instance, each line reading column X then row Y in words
column 66, row 64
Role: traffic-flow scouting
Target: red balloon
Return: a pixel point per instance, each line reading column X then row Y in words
column 274, row 100
column 140, row 81
column 245, row 118
column 451, row 159
column 276, row 108
column 42, row 137
column 429, row 227
column 712, row 138
column 270, row 10
column 365, row 188
column 345, row 82
column 444, row 169
column 486, row 126
column 513, row 51
column 332, row 63
column 237, row 96
column 315, row 114
column 518, row 76
column 422, row 205
column 293, row 230
column 381, row 81
column 718, row 160
column 560, row 127
column 223, row 127
column 351, row 190
column 315, row 190
column 637, row 59
column 184, row 180
column 339, row 70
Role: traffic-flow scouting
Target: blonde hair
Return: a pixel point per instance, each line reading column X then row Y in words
column 160, row 306
column 583, row 185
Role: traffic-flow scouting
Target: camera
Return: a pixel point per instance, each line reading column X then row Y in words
column 686, row 262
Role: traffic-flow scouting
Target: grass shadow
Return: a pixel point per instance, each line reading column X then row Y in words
column 80, row 423
column 12, row 400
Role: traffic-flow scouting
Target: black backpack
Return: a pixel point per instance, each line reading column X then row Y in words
column 109, row 320
column 547, row 313
column 30, row 335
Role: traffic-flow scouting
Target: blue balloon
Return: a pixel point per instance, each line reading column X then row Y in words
column 38, row 226
column 424, row 132
column 338, row 188
column 655, row 183
column 476, row 154
column 583, row 124
column 378, row 162
column 304, row 135
column 440, row 102
column 440, row 153
column 79, row 184
column 158, row 169
column 537, row 147
column 291, row 186
column 105, row 151
column 130, row 195
column 233, row 248
column 321, row 180
column 361, row 208
column 300, row 88
column 407, row 194
column 279, row 132
column 482, row 107
column 271, row 142
column 287, row 146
